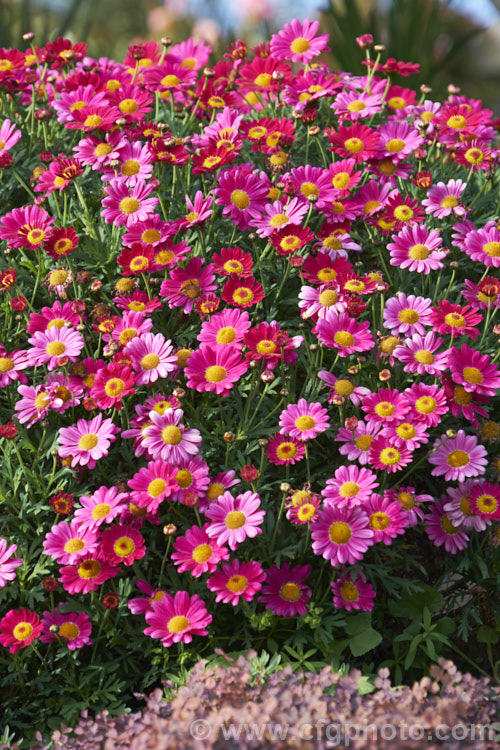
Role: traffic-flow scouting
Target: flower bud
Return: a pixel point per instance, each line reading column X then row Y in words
column 170, row 529
column 229, row 437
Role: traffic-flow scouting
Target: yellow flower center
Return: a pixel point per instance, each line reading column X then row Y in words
column 300, row 45
column 235, row 519
column 395, row 145
column 87, row 442
column 354, row 144
column 278, row 220
column 265, row 346
column 150, row 361
column 343, row 387
column 356, row 106
column 130, row 167
column 22, row 631
column 156, row 487
column 202, row 553
column 55, row 348
column 191, row 288
column 370, row 206
column 184, row 478
column 339, row 532
column 170, row 80
column 63, row 245
column 355, row 285
column 264, row 79
column 306, row 512
column 425, row 404
column 286, row 450
column 6, row 364
column 192, row 216
column 455, row 320
column 344, row 338
column 406, row 431
column 183, row 356
column 456, row 122
column 340, row 180
column 124, row 546
column 447, row 526
column 290, row 592
column 150, row 236
column 215, row 490
column 492, row 249
column 127, row 335
column 225, row 335
column 129, row 205
column 114, row 387
column 171, row 435
column 403, row 213
column 458, row 458
column 59, row 322
column 278, row 159
column 487, row 503
column 465, row 506
column 89, row 569
column 473, row 375
column 56, row 278
column 136, row 510
column 389, row 344
column 103, row 149
column 327, row 274
column 305, row 422
column 424, row 356
column 385, row 409
column 449, row 202
column 309, row 188
column 349, row 592
column 69, row 630
column 128, row 106
column 237, row 583
column 328, row 297
column 164, row 257
column 396, row 102
column 74, row 545
column 332, row 243
column 419, row 252
column 215, row 374
column 363, row 442
column 177, row 624
column 386, row 166
column 349, row 489
column 390, row 456
column 406, row 499
column 92, row 121
column 490, row 429
column 233, row 266
column 474, row 155
column 100, row 511
column 379, row 521
column 242, row 295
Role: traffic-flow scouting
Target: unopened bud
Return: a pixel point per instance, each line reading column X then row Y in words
column 179, row 393
column 29, row 36
column 285, row 487
column 379, row 48
column 384, row 375
column 170, row 529
column 263, row 442
column 267, row 376
column 229, row 437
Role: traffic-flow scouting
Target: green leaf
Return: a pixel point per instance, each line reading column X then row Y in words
column 363, row 642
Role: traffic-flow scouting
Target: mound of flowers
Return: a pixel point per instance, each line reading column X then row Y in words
column 248, row 366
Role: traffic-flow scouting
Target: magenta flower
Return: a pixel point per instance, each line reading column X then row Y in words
column 242, row 194
column 341, row 535
column 122, row 544
column 297, row 42
column 9, row 136
column 101, row 507
column 197, row 552
column 350, row 486
column 420, row 354
column 459, row 457
column 177, row 618
column 236, row 580
column 19, row 628
column 168, row 439
column 389, row 455
column 417, row 249
column 153, row 484
column 11, row 364
column 141, row 605
column 304, row 420
column 8, row 564
column 341, row 332
column 187, row 284
column 443, row 200
column 26, row 227
column 200, row 210
column 127, row 205
column 284, row 592
column 152, row 357
column 234, row 519
column 351, row 593
column 427, row 403
column 278, row 215
column 87, row 442
column 357, row 442
column 386, row 406
column 398, row 140
column 387, row 519
column 73, row 627
column 485, row 500
column 407, row 315
column 225, row 329
column 215, row 369
column 474, row 371
column 68, row 542
column 87, row 574
column 442, row 531
column 483, row 245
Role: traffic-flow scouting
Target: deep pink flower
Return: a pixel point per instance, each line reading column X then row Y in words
column 234, row 519
column 442, row 531
column 122, row 544
column 341, row 332
column 304, row 420
column 341, row 535
column 19, row 628
column 153, row 484
column 177, row 618
column 86, row 442
column 284, row 592
column 236, row 580
column 8, row 564
column 350, row 486
column 458, row 458
column 215, row 369
column 197, row 552
column 73, row 627
column 474, row 371
column 387, row 519
column 351, row 592
column 297, row 42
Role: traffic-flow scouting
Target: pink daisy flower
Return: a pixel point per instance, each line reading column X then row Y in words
column 458, row 458
column 177, row 618
column 355, row 141
column 9, row 136
column 350, row 486
column 441, row 530
column 312, row 181
column 398, row 140
column 235, row 519
column 357, row 442
column 388, row 455
column 151, row 357
column 236, row 580
column 100, row 507
column 134, row 166
column 351, row 593
column 242, row 292
column 233, row 261
column 215, row 369
column 304, row 420
column 8, row 564
column 455, row 319
column 341, row 535
column 484, row 294
column 26, row 227
column 11, row 365
column 417, row 249
column 242, row 194
column 218, row 485
column 459, row 508
column 197, row 552
column 152, row 231
column 36, row 402
column 304, row 509
column 284, row 450
column 420, row 354
column 127, row 328
column 410, row 502
column 407, row 315
column 87, row 441
column 284, row 592
column 485, row 500
column 193, row 479
column 225, row 329
column 141, row 605
column 343, row 387
column 153, row 484
column 19, row 628
column 126, row 205
column 60, row 314
column 427, row 403
column 112, row 383
column 385, row 406
column 474, row 371
column 187, row 284
column 410, row 434
column 352, row 105
column 277, row 215
column 87, row 574
column 387, row 519
column 444, row 199
column 200, row 210
column 341, row 332
column 483, row 245
column 73, row 627
column 168, row 439
column 315, row 302
column 54, row 345
column 122, row 544
column 67, row 543
column 298, row 42
column 96, row 153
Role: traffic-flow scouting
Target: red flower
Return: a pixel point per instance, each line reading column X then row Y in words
column 136, row 259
